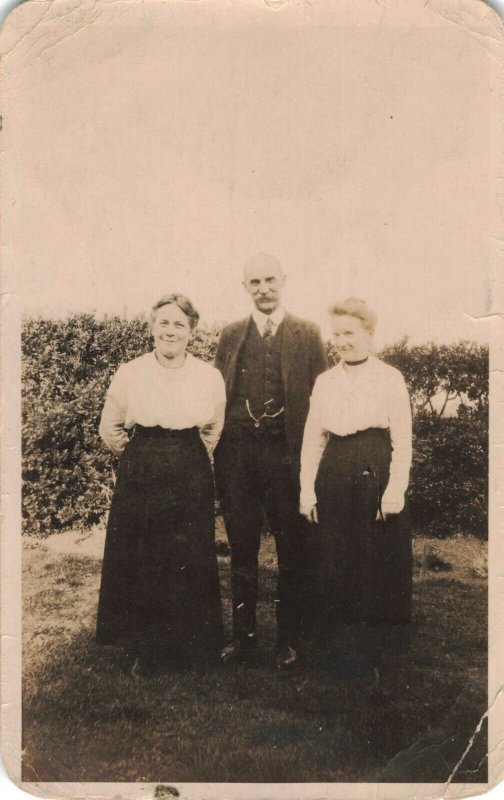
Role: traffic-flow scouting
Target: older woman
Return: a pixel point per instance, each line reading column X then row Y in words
column 163, row 415
column 355, row 464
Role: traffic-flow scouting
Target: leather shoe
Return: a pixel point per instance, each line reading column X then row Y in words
column 287, row 658
column 238, row 651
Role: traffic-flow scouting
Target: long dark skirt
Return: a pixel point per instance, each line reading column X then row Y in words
column 160, row 592
column 365, row 577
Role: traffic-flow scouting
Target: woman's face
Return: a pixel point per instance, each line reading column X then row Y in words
column 351, row 339
column 171, row 331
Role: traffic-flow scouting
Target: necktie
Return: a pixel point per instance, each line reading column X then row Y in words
column 268, row 329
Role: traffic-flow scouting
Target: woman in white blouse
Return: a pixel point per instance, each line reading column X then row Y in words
column 163, row 415
column 355, row 464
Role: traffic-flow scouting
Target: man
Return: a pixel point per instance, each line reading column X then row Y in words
column 269, row 361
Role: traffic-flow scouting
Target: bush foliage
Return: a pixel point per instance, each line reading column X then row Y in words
column 68, row 474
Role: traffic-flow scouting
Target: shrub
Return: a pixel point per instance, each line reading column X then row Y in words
column 449, row 474
column 68, row 474
column 448, row 486
column 439, row 374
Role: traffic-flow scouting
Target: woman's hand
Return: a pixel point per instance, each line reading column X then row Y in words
column 309, row 512
column 389, row 507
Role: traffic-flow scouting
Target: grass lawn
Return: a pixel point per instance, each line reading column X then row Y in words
column 85, row 718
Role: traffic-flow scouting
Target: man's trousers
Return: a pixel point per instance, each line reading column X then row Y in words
column 255, row 482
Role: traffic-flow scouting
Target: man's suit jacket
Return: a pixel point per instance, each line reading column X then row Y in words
column 303, row 358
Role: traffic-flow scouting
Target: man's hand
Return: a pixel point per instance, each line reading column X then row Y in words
column 309, row 512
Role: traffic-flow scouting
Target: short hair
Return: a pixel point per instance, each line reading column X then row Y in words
column 182, row 302
column 355, row 307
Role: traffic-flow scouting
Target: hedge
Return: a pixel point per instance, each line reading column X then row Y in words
column 68, row 474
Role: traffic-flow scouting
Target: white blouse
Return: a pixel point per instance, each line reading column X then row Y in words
column 144, row 392
column 376, row 397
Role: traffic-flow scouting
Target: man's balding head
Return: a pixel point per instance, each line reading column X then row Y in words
column 264, row 279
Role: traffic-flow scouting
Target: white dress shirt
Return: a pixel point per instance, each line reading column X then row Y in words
column 144, row 392
column 343, row 404
column 261, row 319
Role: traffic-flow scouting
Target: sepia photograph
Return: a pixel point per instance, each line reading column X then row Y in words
column 250, row 372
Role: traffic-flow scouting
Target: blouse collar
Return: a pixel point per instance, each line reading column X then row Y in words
column 187, row 363
column 363, row 371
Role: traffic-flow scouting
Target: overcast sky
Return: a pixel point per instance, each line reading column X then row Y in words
column 149, row 155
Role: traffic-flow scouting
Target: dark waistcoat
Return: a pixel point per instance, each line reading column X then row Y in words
column 259, row 381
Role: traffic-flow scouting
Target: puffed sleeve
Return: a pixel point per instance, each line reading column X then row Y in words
column 211, row 431
column 113, row 417
column 401, row 437
column 314, row 442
